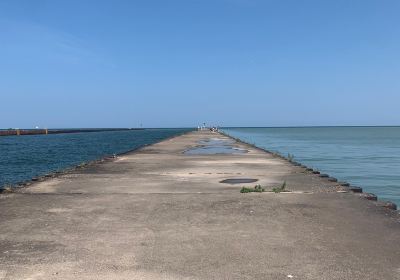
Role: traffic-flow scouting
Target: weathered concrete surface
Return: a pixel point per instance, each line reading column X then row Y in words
column 160, row 214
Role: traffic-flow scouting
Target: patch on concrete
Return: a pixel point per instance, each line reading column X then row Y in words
column 58, row 210
column 26, row 252
column 214, row 150
column 234, row 181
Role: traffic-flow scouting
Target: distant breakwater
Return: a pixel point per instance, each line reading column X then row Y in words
column 13, row 132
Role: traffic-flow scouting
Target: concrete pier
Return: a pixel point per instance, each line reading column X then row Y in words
column 161, row 213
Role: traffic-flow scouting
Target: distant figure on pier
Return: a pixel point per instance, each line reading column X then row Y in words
column 202, row 127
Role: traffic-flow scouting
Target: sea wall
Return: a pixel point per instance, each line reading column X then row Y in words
column 13, row 132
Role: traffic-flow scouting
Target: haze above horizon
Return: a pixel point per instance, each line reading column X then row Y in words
column 181, row 63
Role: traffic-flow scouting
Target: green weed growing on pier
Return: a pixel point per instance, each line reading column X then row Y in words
column 257, row 188
column 279, row 189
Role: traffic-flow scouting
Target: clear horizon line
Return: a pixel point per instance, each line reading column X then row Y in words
column 289, row 126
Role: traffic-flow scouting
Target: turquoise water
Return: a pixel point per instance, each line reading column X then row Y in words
column 24, row 157
column 368, row 157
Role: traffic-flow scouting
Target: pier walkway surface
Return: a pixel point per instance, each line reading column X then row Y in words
column 160, row 213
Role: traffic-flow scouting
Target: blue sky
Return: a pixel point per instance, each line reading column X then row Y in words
column 179, row 63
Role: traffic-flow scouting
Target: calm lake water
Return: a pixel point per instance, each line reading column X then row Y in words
column 368, row 157
column 24, row 157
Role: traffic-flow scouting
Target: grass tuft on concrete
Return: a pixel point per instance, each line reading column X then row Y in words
column 257, row 188
column 279, row 189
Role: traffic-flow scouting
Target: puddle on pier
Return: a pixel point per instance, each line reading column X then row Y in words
column 234, row 181
column 215, row 146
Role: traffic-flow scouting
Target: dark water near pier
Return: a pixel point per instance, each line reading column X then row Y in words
column 368, row 157
column 24, row 157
